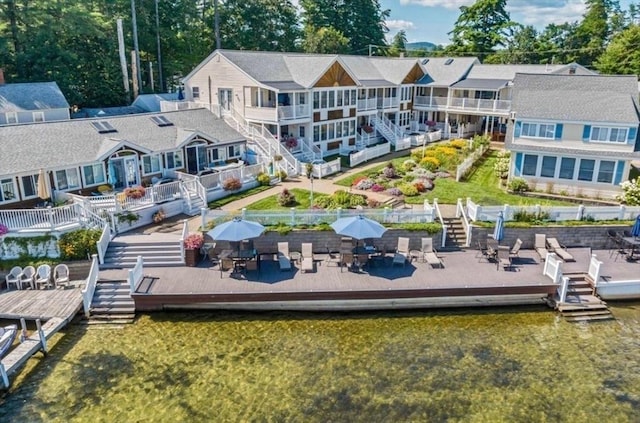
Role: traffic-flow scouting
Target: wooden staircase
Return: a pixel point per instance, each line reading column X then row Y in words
column 581, row 303
column 456, row 236
column 154, row 253
column 112, row 303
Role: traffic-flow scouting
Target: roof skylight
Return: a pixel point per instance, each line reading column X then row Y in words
column 161, row 120
column 103, row 127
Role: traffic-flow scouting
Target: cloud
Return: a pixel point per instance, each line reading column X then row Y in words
column 544, row 12
column 447, row 4
column 399, row 24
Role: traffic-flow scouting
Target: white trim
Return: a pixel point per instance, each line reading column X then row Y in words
column 7, row 119
column 66, row 169
column 153, row 172
column 21, row 185
column 173, row 153
column 40, row 114
column 537, row 130
column 16, row 191
column 608, row 139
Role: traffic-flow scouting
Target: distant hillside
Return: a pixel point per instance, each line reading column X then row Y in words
column 421, row 45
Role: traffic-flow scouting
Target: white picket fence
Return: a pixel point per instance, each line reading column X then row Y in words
column 467, row 164
column 320, row 170
column 369, row 153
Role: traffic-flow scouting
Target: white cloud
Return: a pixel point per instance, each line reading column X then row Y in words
column 546, row 11
column 399, row 24
column 447, row 4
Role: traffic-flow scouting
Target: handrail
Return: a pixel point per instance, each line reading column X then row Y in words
column 461, row 214
column 185, row 234
column 135, row 275
column 185, row 194
column 103, row 242
column 553, row 267
column 444, row 227
column 595, row 266
column 90, row 286
column 311, row 148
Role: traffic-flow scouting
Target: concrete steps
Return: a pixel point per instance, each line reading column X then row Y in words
column 125, row 255
column 112, row 304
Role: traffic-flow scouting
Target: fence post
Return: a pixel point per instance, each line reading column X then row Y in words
column 386, row 213
column 623, row 210
column 203, row 216
column 580, row 214
column 243, row 213
column 338, row 212
column 293, row 216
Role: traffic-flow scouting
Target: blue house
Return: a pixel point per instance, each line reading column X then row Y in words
column 32, row 102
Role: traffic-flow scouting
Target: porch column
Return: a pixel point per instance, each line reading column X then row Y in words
column 446, row 124
column 431, row 97
column 486, row 126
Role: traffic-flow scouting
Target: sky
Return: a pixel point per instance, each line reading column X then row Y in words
column 431, row 20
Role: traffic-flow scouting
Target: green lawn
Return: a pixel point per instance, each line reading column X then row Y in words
column 302, row 201
column 233, row 197
column 348, row 181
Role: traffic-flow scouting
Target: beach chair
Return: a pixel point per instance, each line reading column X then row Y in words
column 559, row 249
column 28, row 274
column 402, row 252
column 540, row 246
column 61, row 276
column 515, row 251
column 429, row 253
column 306, row 264
column 43, row 276
column 284, row 261
column 13, row 278
column 503, row 258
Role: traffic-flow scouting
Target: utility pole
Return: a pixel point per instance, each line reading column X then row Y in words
column 160, row 77
column 216, row 24
column 136, row 48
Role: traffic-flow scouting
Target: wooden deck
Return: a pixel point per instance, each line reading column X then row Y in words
column 40, row 304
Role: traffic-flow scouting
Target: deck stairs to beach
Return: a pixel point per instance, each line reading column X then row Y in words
column 581, row 303
column 155, row 251
column 112, row 303
column 456, row 236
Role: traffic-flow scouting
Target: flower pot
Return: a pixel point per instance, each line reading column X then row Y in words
column 191, row 257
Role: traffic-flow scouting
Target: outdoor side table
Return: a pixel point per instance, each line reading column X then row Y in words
column 295, row 256
column 416, row 255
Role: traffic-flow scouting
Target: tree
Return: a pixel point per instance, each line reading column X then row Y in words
column 521, row 46
column 557, row 43
column 326, row 40
column 480, row 28
column 398, row 44
column 622, row 56
column 594, row 30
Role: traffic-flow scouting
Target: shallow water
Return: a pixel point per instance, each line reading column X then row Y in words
column 498, row 365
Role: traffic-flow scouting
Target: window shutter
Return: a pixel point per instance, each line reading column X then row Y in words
column 558, row 131
column 519, row 158
column 518, row 129
column 631, row 136
column 618, row 176
column 586, row 133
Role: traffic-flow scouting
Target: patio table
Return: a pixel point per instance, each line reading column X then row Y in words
column 633, row 242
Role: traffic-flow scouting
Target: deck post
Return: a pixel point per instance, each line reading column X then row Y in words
column 50, row 215
column 43, row 338
column 5, row 376
column 203, row 215
column 23, row 332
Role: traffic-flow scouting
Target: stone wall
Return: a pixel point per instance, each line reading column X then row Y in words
column 571, row 236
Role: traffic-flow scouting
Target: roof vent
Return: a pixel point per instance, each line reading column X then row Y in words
column 103, row 127
column 425, row 61
column 161, row 121
column 572, row 69
column 448, row 62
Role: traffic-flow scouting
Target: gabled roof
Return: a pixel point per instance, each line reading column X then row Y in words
column 441, row 74
column 67, row 143
column 508, row 72
column 583, row 98
column 31, row 96
column 151, row 102
column 378, row 71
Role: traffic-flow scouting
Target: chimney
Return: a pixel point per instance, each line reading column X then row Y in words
column 1, row 76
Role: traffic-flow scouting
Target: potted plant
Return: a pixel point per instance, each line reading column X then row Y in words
column 159, row 216
column 192, row 245
column 135, row 192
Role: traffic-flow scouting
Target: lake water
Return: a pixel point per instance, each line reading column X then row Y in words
column 493, row 365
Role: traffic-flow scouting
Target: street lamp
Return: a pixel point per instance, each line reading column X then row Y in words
column 309, row 169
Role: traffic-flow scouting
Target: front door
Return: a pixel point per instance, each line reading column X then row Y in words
column 196, row 158
column 226, row 100
column 126, row 172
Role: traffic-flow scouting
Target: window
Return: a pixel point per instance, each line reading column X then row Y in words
column 585, row 173
column 214, row 155
column 602, row 134
column 548, row 167
column 538, row 130
column 528, row 130
column 605, row 172
column 567, row 167
column 233, row 151
column 103, row 127
column 301, row 132
column 195, row 92
column 11, row 117
column 7, row 190
column 67, row 179
column 302, row 98
column 339, row 99
column 29, row 186
column 530, row 165
column 332, row 99
column 151, row 164
column 94, row 174
column 546, row 131
column 38, row 117
column 316, row 100
column 174, row 160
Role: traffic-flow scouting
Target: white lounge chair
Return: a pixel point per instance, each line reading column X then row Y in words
column 28, row 274
column 43, row 276
column 541, row 246
column 13, row 277
column 429, row 253
column 284, row 261
column 515, row 251
column 61, row 276
column 402, row 252
column 307, row 257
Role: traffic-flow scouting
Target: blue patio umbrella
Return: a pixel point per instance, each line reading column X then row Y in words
column 498, row 232
column 180, row 94
column 635, row 231
column 236, row 230
column 358, row 227
column 111, row 175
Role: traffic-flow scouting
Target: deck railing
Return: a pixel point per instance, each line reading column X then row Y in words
column 594, row 269
column 462, row 215
column 320, row 170
column 367, row 104
column 103, row 242
column 185, row 234
column 46, row 219
column 441, row 220
column 135, row 275
column 294, row 112
column 553, row 267
column 90, row 286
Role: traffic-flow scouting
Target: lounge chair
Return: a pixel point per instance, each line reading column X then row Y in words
column 13, row 277
column 306, row 264
column 515, row 251
column 332, row 256
column 429, row 253
column 504, row 258
column 28, row 274
column 541, row 246
column 284, row 261
column 559, row 249
column 402, row 252
column 43, row 276
column 61, row 276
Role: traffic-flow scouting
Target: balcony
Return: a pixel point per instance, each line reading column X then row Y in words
column 388, row 102
column 480, row 105
column 261, row 113
column 367, row 104
column 431, row 101
column 301, row 111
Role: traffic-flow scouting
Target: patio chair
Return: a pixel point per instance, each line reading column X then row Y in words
column 515, row 251
column 283, row 256
column 540, row 245
column 43, row 276
column 61, row 276
column 213, row 256
column 332, row 256
column 482, row 253
column 503, row 258
column 380, row 257
column 346, row 259
column 13, row 277
column 402, row 252
column 28, row 274
column 204, row 250
column 306, row 264
column 429, row 253
column 559, row 249
column 363, row 260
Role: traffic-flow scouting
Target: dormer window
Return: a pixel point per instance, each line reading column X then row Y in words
column 103, row 127
column 448, row 62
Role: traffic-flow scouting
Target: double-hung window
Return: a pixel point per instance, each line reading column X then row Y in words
column 567, row 168
column 538, row 130
column 151, row 164
column 174, row 160
column 605, row 171
column 29, row 186
column 233, row 151
column 530, row 165
column 585, row 172
column 94, row 174
column 548, row 169
column 7, row 190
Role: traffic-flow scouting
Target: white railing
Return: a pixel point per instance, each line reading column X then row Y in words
column 431, row 101
column 320, row 170
column 103, row 242
column 441, row 220
column 366, row 139
column 434, row 136
column 562, row 290
column 309, row 148
column 135, row 275
column 185, row 234
column 464, row 167
column 403, row 143
column 594, row 269
column 294, row 112
column 553, row 267
column 90, row 286
column 368, row 104
column 188, row 204
column 369, row 153
column 462, row 215
column 49, row 219
column 165, row 192
column 260, row 113
column 388, row 102
column 477, row 212
column 173, row 105
column 464, row 103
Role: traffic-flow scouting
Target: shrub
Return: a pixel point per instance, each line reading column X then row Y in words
column 103, row 189
column 394, row 191
column 3, row 229
column 159, row 216
column 377, row 188
column 430, row 163
column 427, row 184
column 459, row 144
column 358, row 180
column 389, row 172
column 80, row 244
column 364, row 184
column 263, row 179
column 423, row 173
column 630, row 192
column 530, row 217
column 194, row 241
column 408, row 178
column 518, row 185
column 231, row 184
column 443, row 174
column 286, row 198
column 340, row 198
column 408, row 190
column 420, row 187
column 356, row 200
column 480, row 140
column 282, row 175
column 409, row 164
column 135, row 192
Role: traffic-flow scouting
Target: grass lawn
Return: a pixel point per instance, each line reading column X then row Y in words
column 302, row 201
column 348, row 181
column 233, row 197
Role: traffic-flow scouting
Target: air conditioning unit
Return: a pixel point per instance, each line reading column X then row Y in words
column 512, row 115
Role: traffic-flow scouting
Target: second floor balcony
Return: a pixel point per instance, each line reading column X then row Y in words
column 279, row 113
column 480, row 105
column 431, row 101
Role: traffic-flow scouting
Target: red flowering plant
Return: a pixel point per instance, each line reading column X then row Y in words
column 194, row 242
column 291, row 143
column 3, row 229
column 135, row 192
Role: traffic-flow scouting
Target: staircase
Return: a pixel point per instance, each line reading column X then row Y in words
column 384, row 130
column 112, row 303
column 581, row 304
column 154, row 253
column 456, row 236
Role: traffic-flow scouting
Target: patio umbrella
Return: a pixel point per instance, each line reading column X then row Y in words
column 635, row 231
column 498, row 232
column 180, row 94
column 111, row 176
column 43, row 190
column 358, row 227
column 236, row 230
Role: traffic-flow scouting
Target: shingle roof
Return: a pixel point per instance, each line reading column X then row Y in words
column 31, row 96
column 442, row 75
column 584, row 98
column 151, row 102
column 67, row 143
column 508, row 72
column 481, row 84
